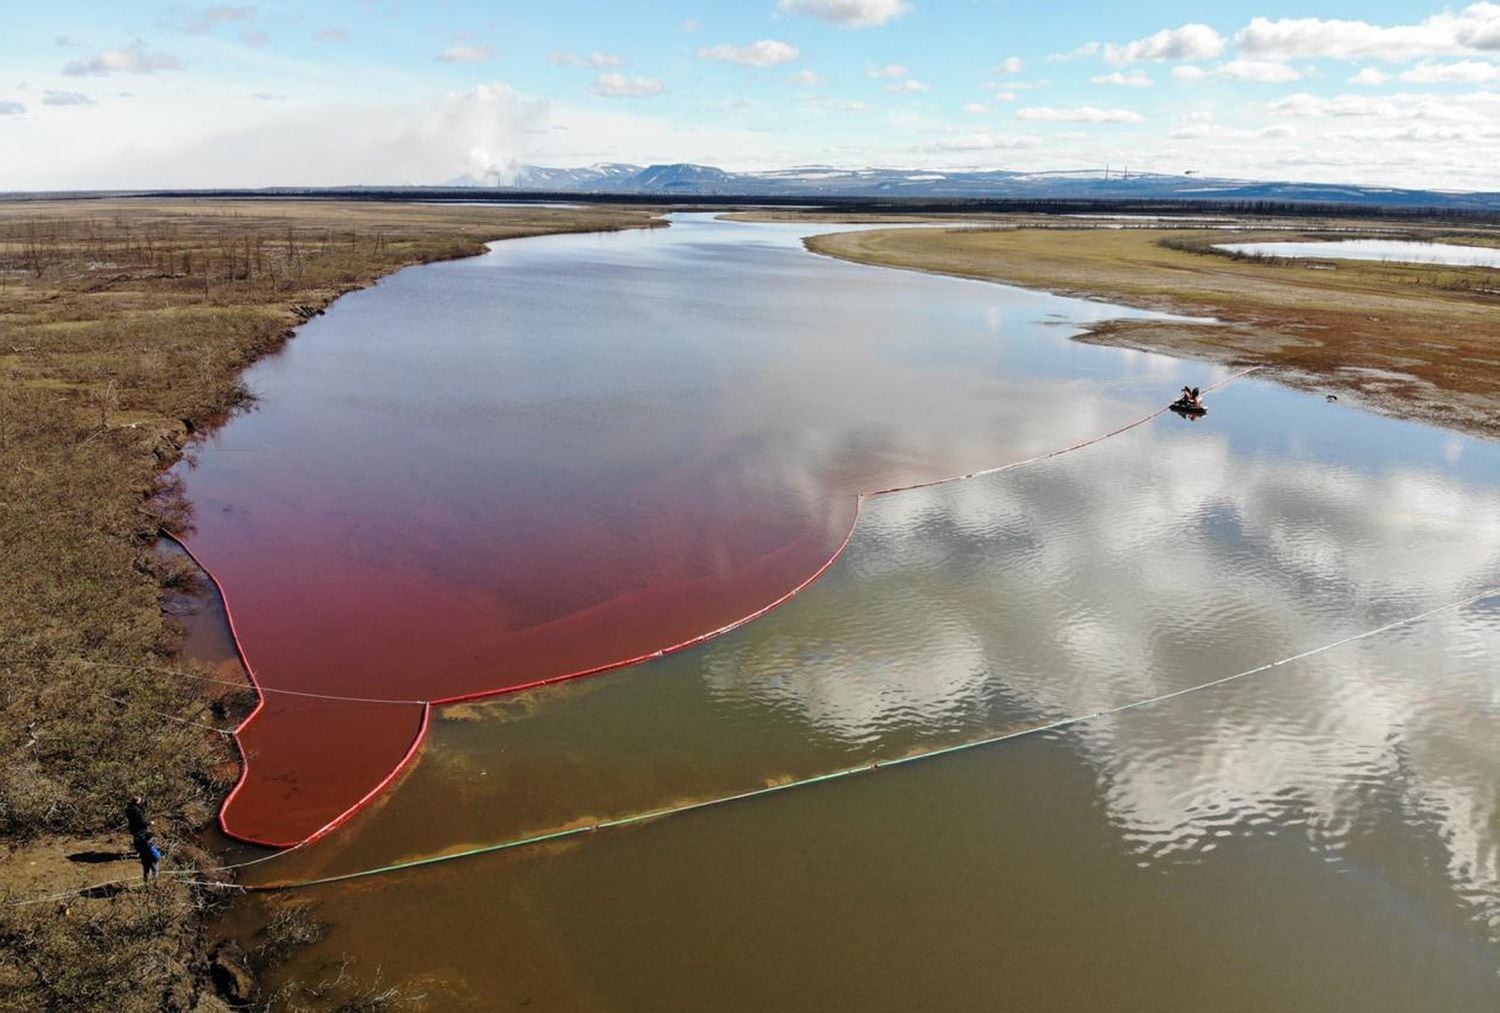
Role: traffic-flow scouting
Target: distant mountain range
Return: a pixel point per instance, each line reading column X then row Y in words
column 685, row 180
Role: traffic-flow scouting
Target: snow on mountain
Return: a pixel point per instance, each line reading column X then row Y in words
column 686, row 180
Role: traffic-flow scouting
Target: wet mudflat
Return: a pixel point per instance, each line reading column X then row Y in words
column 1323, row 834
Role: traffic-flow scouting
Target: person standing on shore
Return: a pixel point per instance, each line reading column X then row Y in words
column 139, row 825
column 150, row 856
column 136, row 820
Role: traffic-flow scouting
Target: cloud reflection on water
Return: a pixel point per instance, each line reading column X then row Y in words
column 1164, row 560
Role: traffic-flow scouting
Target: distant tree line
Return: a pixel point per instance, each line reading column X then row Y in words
column 1256, row 207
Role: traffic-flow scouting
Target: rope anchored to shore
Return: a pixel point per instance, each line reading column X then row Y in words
column 570, row 832
column 657, row 814
column 239, row 684
column 264, row 691
column 1051, row 726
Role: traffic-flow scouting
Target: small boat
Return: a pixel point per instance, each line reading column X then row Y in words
column 1190, row 404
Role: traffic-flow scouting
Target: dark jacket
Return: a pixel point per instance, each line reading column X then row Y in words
column 135, row 819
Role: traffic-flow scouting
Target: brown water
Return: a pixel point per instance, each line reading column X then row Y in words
column 1323, row 835
column 567, row 455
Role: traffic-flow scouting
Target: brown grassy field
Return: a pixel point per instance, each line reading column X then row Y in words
column 123, row 328
column 1413, row 340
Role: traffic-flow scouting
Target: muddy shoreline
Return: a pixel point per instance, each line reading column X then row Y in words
column 1387, row 337
column 128, row 323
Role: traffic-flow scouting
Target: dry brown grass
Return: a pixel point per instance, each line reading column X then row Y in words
column 123, row 327
column 1413, row 340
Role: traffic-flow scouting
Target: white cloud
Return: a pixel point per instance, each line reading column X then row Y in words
column 807, row 79
column 1086, row 50
column 691, row 25
column 1463, row 72
column 1208, row 131
column 894, row 70
column 1466, row 123
column 1449, row 162
column 909, row 87
column 982, row 141
column 975, row 108
column 1474, row 30
column 821, row 102
column 617, row 85
column 1078, row 114
column 1005, row 91
column 132, row 59
column 1188, row 72
column 579, row 136
column 847, row 13
column 65, row 98
column 1325, row 149
column 9, row 108
column 467, row 54
column 206, row 20
column 1370, row 76
column 764, row 53
column 1304, row 104
column 254, row 37
column 332, row 35
column 1480, row 109
column 1009, row 65
column 1261, row 71
column 219, row 140
column 1190, row 42
column 595, row 60
column 1424, row 134
column 1134, row 79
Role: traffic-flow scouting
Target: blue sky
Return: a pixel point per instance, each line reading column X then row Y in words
column 112, row 94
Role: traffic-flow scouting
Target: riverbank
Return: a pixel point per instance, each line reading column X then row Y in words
column 1415, row 341
column 124, row 325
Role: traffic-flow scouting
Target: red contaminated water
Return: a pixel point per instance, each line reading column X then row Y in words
column 565, row 456
column 571, row 593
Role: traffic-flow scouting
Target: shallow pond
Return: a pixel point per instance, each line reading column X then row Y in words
column 521, row 440
column 1395, row 251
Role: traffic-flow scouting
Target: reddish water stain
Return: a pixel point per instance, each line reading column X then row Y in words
column 568, row 454
column 569, row 592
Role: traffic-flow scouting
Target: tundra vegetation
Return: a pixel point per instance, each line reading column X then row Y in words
column 124, row 325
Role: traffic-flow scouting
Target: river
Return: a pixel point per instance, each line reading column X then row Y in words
column 579, row 448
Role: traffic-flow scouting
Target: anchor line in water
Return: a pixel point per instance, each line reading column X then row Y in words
column 81, row 891
column 866, row 768
column 1059, row 452
column 658, row 814
column 262, row 688
column 263, row 691
column 240, row 684
column 805, row 782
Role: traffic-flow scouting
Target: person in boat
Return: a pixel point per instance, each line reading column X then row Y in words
column 1190, row 405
